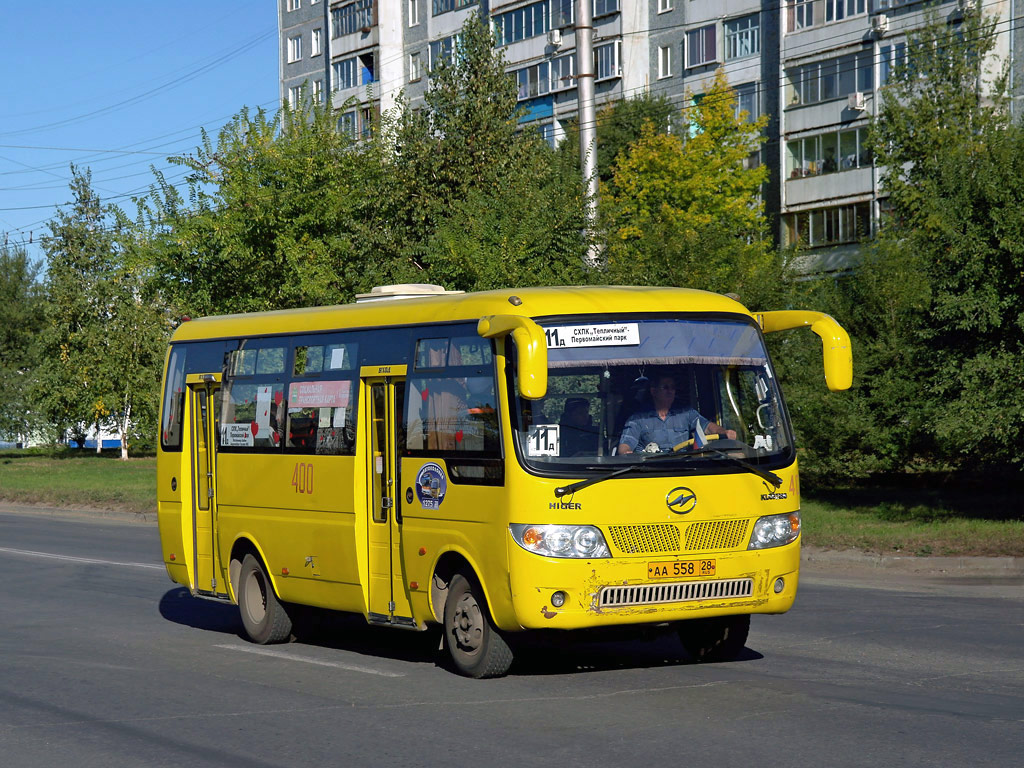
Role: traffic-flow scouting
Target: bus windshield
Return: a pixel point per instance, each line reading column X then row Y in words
column 622, row 390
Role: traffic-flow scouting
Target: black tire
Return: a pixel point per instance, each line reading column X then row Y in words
column 474, row 644
column 718, row 639
column 263, row 616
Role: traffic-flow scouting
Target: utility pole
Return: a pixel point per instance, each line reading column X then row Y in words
column 587, row 118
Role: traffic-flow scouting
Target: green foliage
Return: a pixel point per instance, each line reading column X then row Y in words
column 686, row 211
column 954, row 163
column 21, row 318
column 619, row 125
column 274, row 218
column 103, row 337
column 479, row 203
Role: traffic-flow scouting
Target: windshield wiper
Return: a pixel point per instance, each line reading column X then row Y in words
column 770, row 477
column 567, row 490
column 764, row 474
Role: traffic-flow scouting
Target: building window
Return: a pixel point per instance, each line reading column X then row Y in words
column 700, row 46
column 604, row 7
column 414, row 13
column 318, row 91
column 443, row 6
column 547, row 132
column 563, row 13
column 804, row 14
column 665, row 61
column 442, row 50
column 317, row 42
column 534, row 81
column 294, row 5
column 829, row 226
column 345, row 74
column 742, row 37
column 351, row 18
column 828, row 153
column 563, row 72
column 347, row 124
column 294, row 48
column 294, row 96
column 664, row 6
column 520, row 24
column 829, row 79
column 747, row 101
column 606, row 61
column 890, row 57
column 415, row 67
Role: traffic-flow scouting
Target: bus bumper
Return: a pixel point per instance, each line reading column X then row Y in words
column 618, row 591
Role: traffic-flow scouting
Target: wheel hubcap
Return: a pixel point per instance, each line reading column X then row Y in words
column 468, row 624
column 255, row 598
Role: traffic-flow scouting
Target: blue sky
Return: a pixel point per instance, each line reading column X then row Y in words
column 118, row 87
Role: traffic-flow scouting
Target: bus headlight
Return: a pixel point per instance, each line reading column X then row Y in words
column 775, row 530
column 578, row 541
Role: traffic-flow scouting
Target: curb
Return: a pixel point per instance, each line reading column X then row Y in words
column 1006, row 567
column 76, row 513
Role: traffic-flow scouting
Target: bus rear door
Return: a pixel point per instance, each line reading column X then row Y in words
column 388, row 598
column 203, row 392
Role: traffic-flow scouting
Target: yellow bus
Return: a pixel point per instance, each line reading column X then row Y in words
column 546, row 458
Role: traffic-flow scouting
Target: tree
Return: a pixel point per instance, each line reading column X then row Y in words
column 279, row 214
column 953, row 162
column 479, row 201
column 21, row 318
column 103, row 337
column 684, row 210
column 619, row 125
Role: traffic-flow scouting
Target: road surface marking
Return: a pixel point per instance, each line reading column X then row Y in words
column 295, row 657
column 73, row 559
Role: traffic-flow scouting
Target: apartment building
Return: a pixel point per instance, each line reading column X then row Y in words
column 813, row 67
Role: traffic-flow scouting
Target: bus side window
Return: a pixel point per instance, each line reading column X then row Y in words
column 174, row 399
column 451, row 403
column 321, row 397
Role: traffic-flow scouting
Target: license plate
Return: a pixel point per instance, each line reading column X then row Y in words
column 680, row 569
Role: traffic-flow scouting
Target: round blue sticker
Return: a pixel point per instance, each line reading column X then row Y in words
column 431, row 485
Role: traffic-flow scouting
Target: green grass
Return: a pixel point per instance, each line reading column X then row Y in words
column 925, row 516
column 72, row 479
column 920, row 515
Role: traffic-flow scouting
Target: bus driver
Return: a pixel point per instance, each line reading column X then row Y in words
column 663, row 427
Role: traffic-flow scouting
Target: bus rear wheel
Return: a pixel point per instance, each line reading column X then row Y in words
column 721, row 638
column 264, row 618
column 473, row 642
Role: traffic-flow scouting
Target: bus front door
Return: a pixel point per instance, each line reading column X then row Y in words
column 388, row 592
column 204, row 394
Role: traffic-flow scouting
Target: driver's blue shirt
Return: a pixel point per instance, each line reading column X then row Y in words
column 647, row 427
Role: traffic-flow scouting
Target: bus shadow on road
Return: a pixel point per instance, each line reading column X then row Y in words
column 179, row 606
column 536, row 653
column 568, row 653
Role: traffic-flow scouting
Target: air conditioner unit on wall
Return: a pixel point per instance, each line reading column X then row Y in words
column 555, row 37
column 856, row 101
column 880, row 24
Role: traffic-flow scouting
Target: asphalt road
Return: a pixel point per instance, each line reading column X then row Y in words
column 106, row 663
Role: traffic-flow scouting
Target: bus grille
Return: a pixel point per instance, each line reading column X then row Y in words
column 645, row 539
column 720, row 534
column 650, row 594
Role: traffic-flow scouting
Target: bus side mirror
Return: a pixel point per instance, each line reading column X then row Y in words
column 531, row 345
column 837, row 351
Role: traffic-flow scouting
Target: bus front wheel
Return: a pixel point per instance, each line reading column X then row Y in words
column 264, row 618
column 721, row 638
column 474, row 644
